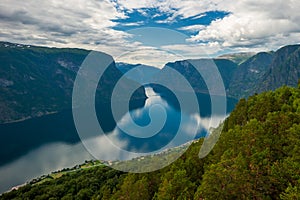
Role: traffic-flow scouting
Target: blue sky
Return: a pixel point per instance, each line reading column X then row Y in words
column 153, row 17
column 168, row 30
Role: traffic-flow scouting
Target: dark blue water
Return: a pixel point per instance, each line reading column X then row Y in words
column 41, row 145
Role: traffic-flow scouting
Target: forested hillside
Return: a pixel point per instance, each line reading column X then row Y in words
column 35, row 81
column 256, row 157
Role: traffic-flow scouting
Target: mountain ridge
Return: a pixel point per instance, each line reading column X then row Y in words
column 261, row 72
column 35, row 81
column 25, row 69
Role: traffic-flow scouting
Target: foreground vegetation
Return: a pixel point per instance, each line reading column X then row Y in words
column 256, row 157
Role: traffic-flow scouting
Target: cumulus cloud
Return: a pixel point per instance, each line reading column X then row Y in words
column 133, row 23
column 63, row 23
column 192, row 28
column 186, row 8
column 260, row 24
column 251, row 25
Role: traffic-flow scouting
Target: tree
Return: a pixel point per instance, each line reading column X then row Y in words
column 177, row 187
column 132, row 188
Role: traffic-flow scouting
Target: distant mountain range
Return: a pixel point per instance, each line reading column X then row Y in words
column 187, row 68
column 238, row 58
column 244, row 75
column 35, row 81
column 143, row 73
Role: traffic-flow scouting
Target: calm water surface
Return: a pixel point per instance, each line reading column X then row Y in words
column 39, row 146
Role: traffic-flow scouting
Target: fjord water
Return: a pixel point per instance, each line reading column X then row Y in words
column 41, row 145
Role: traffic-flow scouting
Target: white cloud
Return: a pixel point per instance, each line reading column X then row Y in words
column 133, row 23
column 149, row 56
column 260, row 24
column 63, row 23
column 133, row 4
column 252, row 25
column 199, row 16
column 186, row 8
column 192, row 28
column 189, row 51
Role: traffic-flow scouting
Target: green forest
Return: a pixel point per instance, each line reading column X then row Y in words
column 256, row 157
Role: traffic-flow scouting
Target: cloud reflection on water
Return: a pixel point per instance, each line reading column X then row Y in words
column 43, row 160
column 112, row 146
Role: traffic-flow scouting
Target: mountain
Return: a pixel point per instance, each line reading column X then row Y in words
column 186, row 78
column 283, row 70
column 267, row 71
column 238, row 58
column 190, row 69
column 249, row 74
column 256, row 157
column 143, row 74
column 35, row 81
column 253, row 74
column 226, row 68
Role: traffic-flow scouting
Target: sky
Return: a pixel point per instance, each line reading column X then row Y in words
column 153, row 31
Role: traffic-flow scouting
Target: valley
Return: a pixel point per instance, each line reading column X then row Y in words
column 37, row 121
